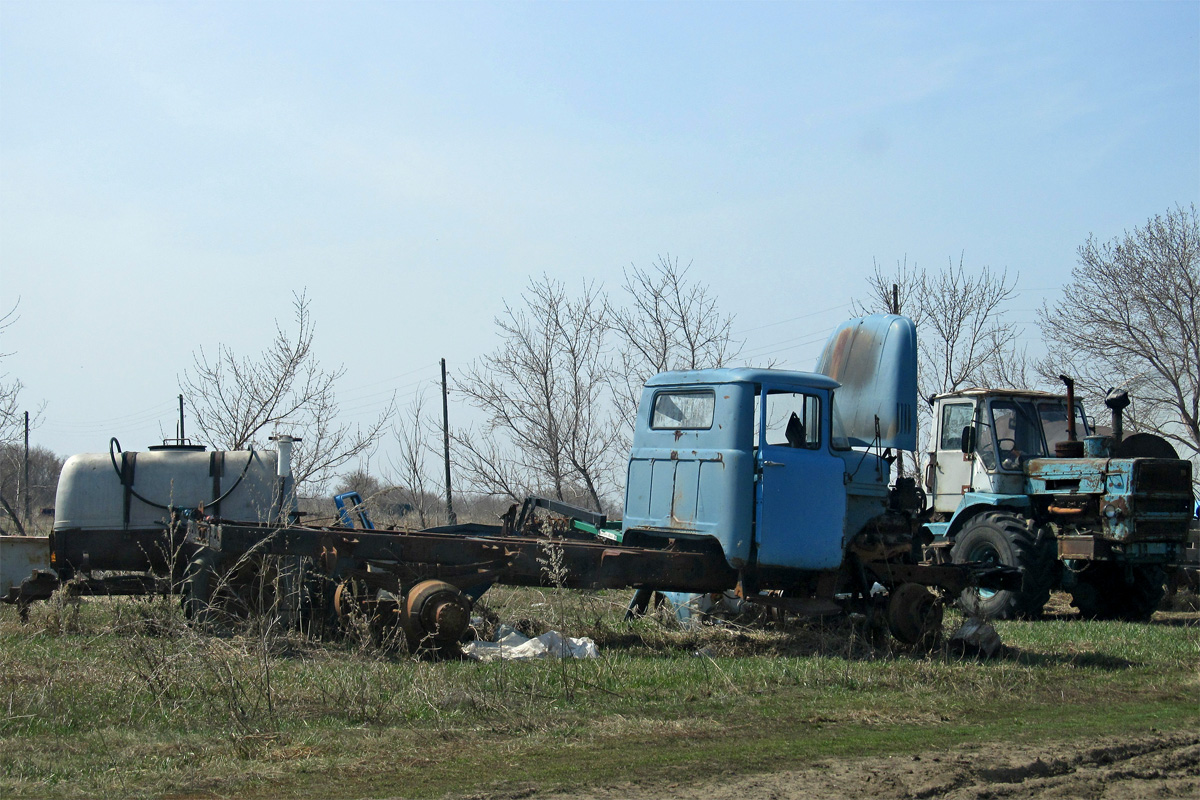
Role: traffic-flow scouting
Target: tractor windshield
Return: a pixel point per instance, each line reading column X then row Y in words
column 1022, row 429
column 1053, row 414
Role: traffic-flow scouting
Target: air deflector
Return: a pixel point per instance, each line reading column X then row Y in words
column 875, row 360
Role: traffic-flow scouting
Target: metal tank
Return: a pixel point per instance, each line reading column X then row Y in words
column 112, row 509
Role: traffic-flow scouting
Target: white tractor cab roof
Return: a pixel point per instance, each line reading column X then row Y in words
column 976, row 391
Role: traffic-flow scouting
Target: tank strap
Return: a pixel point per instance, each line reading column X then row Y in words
column 216, row 468
column 128, row 471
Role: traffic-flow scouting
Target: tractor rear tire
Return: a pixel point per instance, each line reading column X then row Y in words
column 1001, row 538
column 1102, row 592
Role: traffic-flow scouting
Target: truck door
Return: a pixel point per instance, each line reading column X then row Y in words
column 801, row 494
column 953, row 470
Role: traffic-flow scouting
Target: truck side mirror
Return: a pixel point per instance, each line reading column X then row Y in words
column 968, row 440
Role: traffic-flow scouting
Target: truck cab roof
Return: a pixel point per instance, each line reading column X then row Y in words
column 743, row 375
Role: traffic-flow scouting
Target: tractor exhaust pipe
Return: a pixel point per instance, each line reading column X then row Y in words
column 1117, row 401
column 1072, row 447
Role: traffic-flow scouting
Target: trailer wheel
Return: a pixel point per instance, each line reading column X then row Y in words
column 999, row 538
column 914, row 615
column 1102, row 591
column 435, row 615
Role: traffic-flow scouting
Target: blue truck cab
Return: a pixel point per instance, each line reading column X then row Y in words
column 787, row 472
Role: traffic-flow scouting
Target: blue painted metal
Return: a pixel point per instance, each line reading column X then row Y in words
column 874, row 359
column 696, row 482
column 349, row 503
column 801, row 496
column 1140, row 504
column 696, row 468
column 972, row 503
column 786, row 505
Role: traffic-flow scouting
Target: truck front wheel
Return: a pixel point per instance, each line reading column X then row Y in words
column 1004, row 539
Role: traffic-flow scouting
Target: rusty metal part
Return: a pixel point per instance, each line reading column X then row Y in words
column 1117, row 401
column 952, row 578
column 348, row 598
column 435, row 614
column 469, row 556
column 801, row 606
column 1084, row 548
column 914, row 615
column 1070, row 383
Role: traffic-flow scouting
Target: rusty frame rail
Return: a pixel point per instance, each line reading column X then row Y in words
column 401, row 559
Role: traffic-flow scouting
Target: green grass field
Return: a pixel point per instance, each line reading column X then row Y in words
column 122, row 698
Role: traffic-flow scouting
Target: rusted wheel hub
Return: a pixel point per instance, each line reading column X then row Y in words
column 914, row 615
column 348, row 598
column 435, row 615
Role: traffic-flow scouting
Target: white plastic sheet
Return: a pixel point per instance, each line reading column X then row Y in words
column 515, row 647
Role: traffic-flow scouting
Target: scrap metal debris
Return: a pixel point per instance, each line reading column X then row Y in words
column 976, row 637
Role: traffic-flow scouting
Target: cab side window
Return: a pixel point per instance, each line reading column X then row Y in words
column 793, row 419
column 955, row 417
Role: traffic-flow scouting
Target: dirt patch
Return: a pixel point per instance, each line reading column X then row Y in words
column 1163, row 766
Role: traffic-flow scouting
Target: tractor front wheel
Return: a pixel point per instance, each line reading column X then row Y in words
column 1004, row 539
column 1105, row 591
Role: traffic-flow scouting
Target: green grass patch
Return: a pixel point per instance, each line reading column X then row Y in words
column 122, row 698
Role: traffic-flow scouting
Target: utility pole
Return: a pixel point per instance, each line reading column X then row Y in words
column 25, row 483
column 451, row 518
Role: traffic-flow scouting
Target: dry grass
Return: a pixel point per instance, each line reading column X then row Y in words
column 122, row 697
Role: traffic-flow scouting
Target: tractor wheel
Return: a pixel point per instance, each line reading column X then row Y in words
column 1102, row 591
column 1000, row 538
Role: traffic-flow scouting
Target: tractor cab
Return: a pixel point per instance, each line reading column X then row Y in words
column 982, row 439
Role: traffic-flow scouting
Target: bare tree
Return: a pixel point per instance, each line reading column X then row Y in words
column 962, row 336
column 239, row 401
column 669, row 323
column 965, row 326
column 44, row 469
column 411, row 471
column 543, row 391
column 1131, row 318
column 901, row 292
column 12, row 419
column 12, row 432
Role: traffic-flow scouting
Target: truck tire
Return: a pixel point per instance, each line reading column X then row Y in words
column 1102, row 591
column 997, row 537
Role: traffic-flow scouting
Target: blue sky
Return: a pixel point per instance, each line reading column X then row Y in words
column 171, row 172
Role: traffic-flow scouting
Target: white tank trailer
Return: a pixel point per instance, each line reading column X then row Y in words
column 112, row 509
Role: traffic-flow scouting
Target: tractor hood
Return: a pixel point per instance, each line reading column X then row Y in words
column 875, row 360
